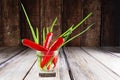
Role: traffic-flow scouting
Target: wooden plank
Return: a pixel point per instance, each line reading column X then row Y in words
column 18, row 67
column 33, row 10
column 2, row 48
column 33, row 74
column 10, row 23
column 64, row 70
column 72, row 14
column 113, row 50
column 110, row 24
column 106, row 58
column 8, row 53
column 63, row 74
column 50, row 9
column 8, row 49
column 85, row 67
column 117, row 49
column 92, row 37
column 117, row 54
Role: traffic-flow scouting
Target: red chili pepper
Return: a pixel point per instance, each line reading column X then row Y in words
column 51, row 50
column 48, row 68
column 56, row 44
column 48, row 39
column 55, row 60
column 33, row 45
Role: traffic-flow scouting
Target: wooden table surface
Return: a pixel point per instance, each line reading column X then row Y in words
column 85, row 63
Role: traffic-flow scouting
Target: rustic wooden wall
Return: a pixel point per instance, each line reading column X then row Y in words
column 92, row 37
column 9, row 23
column 1, row 29
column 105, row 32
column 110, row 35
column 72, row 14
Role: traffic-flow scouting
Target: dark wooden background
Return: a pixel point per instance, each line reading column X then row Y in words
column 106, row 16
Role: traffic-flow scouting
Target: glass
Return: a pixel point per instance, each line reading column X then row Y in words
column 48, row 64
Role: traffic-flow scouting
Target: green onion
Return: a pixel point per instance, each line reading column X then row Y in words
column 65, row 36
column 78, row 34
column 78, row 24
column 69, row 30
column 37, row 35
column 82, row 21
column 53, row 24
column 47, row 30
column 43, row 34
column 49, row 63
column 30, row 25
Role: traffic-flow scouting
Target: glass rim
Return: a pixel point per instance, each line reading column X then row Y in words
column 39, row 53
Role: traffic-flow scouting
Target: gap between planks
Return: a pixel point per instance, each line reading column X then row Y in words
column 68, row 65
column 18, row 67
column 3, row 48
column 107, row 59
column 9, row 53
column 113, row 50
column 85, row 67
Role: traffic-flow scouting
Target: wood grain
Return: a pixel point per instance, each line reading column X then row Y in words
column 92, row 37
column 9, row 53
column 2, row 48
column 72, row 14
column 63, row 67
column 106, row 58
column 85, row 67
column 110, row 23
column 113, row 50
column 10, row 23
column 18, row 67
column 1, row 27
